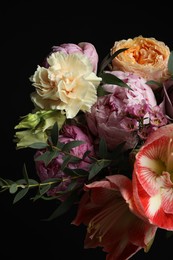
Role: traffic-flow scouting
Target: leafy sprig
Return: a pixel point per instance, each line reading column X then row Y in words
column 98, row 165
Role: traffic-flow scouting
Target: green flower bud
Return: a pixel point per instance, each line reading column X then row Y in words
column 35, row 125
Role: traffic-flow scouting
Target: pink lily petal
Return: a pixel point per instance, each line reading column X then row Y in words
column 107, row 209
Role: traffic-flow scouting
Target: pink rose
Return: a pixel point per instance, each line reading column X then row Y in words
column 108, row 210
column 153, row 178
column 53, row 169
column 124, row 114
column 85, row 48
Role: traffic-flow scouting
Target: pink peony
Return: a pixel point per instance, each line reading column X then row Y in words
column 153, row 178
column 124, row 114
column 53, row 169
column 108, row 210
column 85, row 48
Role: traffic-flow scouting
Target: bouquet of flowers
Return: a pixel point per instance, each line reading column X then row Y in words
column 102, row 139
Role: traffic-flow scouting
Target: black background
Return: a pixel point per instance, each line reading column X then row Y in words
column 28, row 31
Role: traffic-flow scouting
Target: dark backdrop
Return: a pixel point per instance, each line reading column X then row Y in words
column 28, row 31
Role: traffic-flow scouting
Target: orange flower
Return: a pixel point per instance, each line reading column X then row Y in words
column 107, row 209
column 147, row 57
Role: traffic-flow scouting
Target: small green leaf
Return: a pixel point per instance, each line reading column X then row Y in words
column 25, row 174
column 21, row 182
column 100, row 91
column 3, row 182
column 20, row 194
column 63, row 207
column 38, row 145
column 97, row 167
column 37, row 196
column 54, row 134
column 76, row 172
column 102, row 148
column 31, row 181
column 48, row 156
column 86, row 154
column 109, row 78
column 13, row 188
column 59, row 145
column 68, row 146
column 66, row 160
column 152, row 82
column 44, row 188
column 107, row 60
column 71, row 186
column 43, row 191
column 104, row 63
column 52, row 180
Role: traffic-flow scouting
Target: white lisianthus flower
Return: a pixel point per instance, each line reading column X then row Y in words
column 68, row 84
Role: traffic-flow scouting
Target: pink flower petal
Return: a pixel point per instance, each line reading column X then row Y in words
column 105, row 209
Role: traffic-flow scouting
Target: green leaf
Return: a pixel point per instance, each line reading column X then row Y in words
column 66, row 160
column 20, row 194
column 152, row 82
column 3, row 182
column 76, row 172
column 48, row 156
column 25, row 174
column 21, row 182
column 97, row 167
column 101, row 92
column 31, row 181
column 13, row 188
column 63, row 207
column 71, row 186
column 44, row 188
column 104, row 63
column 170, row 63
column 54, row 180
column 107, row 60
column 109, row 78
column 38, row 145
column 86, row 154
column 37, row 196
column 102, row 148
column 68, row 146
column 60, row 145
column 54, row 134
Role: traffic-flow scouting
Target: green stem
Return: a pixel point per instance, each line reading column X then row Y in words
column 36, row 184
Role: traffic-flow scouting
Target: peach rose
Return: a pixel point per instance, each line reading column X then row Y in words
column 146, row 57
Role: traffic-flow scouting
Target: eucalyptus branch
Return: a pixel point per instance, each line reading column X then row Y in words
column 25, row 185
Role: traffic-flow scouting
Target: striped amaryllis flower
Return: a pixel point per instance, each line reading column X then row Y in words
column 114, row 223
column 153, row 178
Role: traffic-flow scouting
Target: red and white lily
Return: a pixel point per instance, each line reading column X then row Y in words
column 153, row 178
